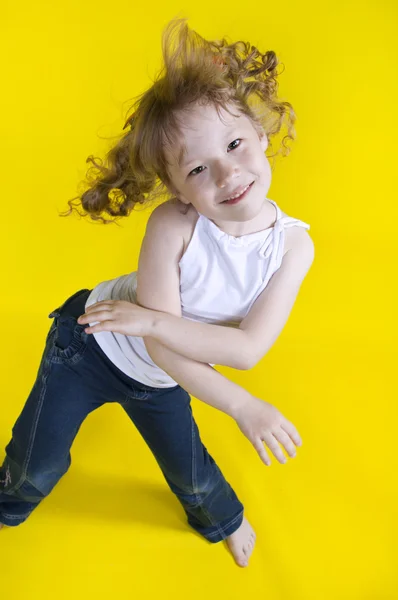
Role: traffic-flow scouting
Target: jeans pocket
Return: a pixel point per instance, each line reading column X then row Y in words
column 69, row 340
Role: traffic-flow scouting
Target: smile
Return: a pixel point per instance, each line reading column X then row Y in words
column 236, row 199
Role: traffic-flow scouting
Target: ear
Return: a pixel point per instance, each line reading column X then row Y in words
column 263, row 140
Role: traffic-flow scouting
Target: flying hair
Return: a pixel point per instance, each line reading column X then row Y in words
column 195, row 70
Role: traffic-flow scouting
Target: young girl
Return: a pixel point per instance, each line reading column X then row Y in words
column 219, row 271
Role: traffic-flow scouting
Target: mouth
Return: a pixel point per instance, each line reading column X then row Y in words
column 237, row 199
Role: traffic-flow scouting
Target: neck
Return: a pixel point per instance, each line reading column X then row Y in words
column 265, row 219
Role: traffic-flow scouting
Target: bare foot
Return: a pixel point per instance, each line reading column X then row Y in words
column 1, row 525
column 241, row 543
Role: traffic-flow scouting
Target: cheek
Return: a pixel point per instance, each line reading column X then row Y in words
column 264, row 166
column 195, row 191
column 254, row 158
column 198, row 184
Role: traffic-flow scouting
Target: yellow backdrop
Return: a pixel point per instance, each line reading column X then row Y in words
column 326, row 522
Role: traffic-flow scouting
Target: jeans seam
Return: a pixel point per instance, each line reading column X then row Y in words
column 194, row 482
column 22, row 478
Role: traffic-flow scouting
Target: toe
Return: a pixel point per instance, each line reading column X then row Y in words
column 249, row 549
column 242, row 558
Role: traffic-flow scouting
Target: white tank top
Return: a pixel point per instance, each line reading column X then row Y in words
column 221, row 276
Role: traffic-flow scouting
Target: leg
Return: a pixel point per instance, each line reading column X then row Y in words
column 165, row 421
column 66, row 390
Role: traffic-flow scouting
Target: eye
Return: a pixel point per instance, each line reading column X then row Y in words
column 195, row 171
column 237, row 140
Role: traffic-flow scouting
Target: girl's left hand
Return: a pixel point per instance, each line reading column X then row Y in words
column 119, row 316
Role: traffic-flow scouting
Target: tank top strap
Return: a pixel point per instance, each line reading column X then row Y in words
column 278, row 210
column 274, row 238
column 273, row 245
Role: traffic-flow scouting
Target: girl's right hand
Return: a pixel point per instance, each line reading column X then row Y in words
column 261, row 422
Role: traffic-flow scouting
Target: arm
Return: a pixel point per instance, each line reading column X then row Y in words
column 242, row 348
column 259, row 421
column 217, row 344
column 199, row 379
column 158, row 289
column 269, row 313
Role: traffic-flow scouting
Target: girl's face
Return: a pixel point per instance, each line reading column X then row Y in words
column 221, row 158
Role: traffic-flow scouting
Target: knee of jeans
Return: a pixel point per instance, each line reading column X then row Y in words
column 38, row 484
column 15, row 483
column 34, row 483
column 200, row 488
column 29, row 492
column 44, row 479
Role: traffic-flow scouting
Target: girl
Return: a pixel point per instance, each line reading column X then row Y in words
column 219, row 271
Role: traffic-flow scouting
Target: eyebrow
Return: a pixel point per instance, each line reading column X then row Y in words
column 183, row 150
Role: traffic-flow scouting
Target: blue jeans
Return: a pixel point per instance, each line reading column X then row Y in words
column 74, row 378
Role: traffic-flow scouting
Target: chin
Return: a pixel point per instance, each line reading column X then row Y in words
column 251, row 210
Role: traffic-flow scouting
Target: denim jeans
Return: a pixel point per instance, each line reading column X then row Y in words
column 74, row 378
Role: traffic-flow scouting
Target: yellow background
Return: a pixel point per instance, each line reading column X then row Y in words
column 326, row 522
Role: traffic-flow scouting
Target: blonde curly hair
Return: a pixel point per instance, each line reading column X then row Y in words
column 195, row 71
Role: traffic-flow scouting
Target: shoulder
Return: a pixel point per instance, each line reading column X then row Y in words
column 300, row 244
column 174, row 217
column 297, row 239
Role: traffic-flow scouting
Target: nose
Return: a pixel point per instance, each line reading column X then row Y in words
column 226, row 173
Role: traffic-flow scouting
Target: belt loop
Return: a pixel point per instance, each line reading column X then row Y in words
column 78, row 298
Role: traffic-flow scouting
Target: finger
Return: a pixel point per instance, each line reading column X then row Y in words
column 273, row 445
column 95, row 307
column 94, row 315
column 259, row 446
column 103, row 305
column 97, row 317
column 102, row 326
column 94, row 328
column 286, row 442
column 292, row 431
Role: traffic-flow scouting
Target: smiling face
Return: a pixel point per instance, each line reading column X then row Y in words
column 219, row 158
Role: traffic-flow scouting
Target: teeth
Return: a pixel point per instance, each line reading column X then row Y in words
column 237, row 195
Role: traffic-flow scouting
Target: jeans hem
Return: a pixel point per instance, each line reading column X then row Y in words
column 223, row 531
column 11, row 520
